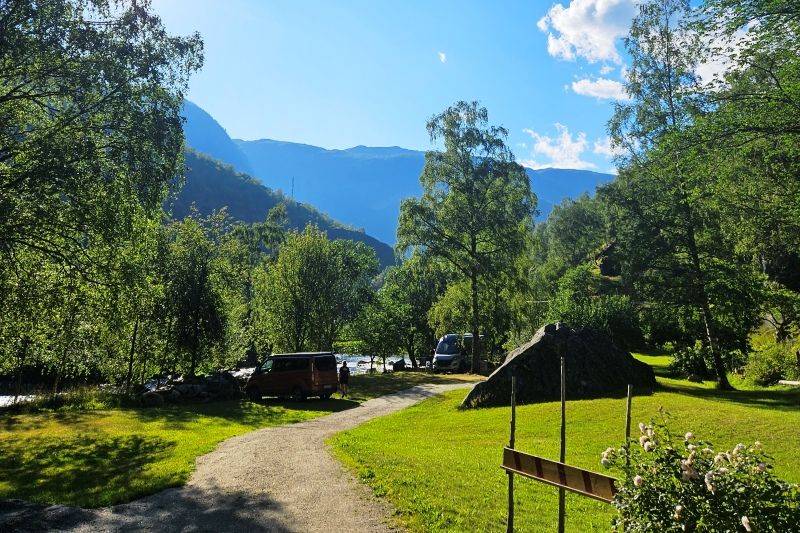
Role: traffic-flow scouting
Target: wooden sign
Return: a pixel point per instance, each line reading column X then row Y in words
column 584, row 482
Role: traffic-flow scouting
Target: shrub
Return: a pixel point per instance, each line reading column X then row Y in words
column 697, row 359
column 683, row 484
column 579, row 304
column 771, row 360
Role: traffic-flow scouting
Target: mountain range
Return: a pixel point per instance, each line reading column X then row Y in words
column 359, row 187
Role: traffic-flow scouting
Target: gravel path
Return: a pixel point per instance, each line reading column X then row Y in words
column 280, row 479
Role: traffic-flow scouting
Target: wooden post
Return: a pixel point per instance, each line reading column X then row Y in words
column 561, row 503
column 628, row 426
column 510, row 523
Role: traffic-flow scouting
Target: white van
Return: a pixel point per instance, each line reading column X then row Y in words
column 453, row 353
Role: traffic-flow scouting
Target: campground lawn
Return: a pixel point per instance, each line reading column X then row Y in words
column 440, row 466
column 93, row 458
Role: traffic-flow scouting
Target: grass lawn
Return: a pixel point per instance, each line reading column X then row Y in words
column 93, row 458
column 439, row 466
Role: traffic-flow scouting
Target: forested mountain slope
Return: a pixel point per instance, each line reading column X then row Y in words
column 211, row 185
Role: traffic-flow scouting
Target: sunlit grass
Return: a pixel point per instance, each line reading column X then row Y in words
column 92, row 458
column 440, row 466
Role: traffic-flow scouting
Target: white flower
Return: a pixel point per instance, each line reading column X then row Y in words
column 637, row 481
column 739, row 449
column 678, row 512
column 642, row 427
column 643, row 439
column 720, row 458
column 746, row 524
column 691, row 447
column 648, row 446
column 687, row 471
column 689, row 436
column 651, row 433
column 708, row 451
column 761, row 468
column 709, row 479
column 757, row 445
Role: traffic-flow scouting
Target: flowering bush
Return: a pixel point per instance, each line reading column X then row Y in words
column 683, row 484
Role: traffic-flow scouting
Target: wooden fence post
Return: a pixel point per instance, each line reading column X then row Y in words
column 561, row 503
column 510, row 523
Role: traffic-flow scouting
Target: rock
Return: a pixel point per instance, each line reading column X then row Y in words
column 152, row 399
column 595, row 367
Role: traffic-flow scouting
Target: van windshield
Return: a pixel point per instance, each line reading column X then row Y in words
column 449, row 346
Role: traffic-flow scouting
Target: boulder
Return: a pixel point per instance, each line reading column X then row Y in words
column 152, row 399
column 595, row 367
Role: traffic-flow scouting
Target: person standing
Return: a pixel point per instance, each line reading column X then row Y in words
column 344, row 379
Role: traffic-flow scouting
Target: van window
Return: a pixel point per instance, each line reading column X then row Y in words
column 267, row 366
column 327, row 362
column 290, row 363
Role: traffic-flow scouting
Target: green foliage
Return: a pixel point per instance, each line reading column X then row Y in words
column 682, row 484
column 313, row 288
column 91, row 96
column 476, row 203
column 772, row 360
column 579, row 302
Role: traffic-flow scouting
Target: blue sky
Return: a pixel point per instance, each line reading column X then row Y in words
column 340, row 74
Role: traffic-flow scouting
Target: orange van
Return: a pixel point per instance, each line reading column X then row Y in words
column 295, row 375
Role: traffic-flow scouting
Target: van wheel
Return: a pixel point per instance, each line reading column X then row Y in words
column 254, row 394
column 298, row 395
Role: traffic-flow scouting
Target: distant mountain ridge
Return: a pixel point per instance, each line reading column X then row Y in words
column 360, row 186
column 363, row 186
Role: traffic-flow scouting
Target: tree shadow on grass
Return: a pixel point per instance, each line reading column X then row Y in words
column 778, row 400
column 26, row 421
column 210, row 508
column 264, row 413
column 90, row 469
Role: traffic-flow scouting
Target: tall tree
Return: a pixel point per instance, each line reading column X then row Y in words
column 90, row 96
column 476, row 203
column 660, row 191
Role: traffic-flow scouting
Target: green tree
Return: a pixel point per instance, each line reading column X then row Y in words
column 313, row 288
column 671, row 241
column 204, row 295
column 412, row 288
column 90, row 96
column 476, row 204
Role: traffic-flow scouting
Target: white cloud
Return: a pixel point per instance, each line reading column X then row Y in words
column 601, row 88
column 442, row 57
column 587, row 28
column 561, row 152
column 723, row 54
column 604, row 147
column 606, row 69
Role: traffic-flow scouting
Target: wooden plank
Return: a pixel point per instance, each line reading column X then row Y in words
column 558, row 474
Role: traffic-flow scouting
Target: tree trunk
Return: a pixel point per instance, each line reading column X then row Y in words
column 23, row 356
column 476, row 339
column 129, row 377
column 708, row 319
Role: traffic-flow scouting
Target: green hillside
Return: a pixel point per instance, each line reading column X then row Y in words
column 211, row 185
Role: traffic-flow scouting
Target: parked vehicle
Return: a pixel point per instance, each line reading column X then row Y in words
column 294, row 375
column 453, row 353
